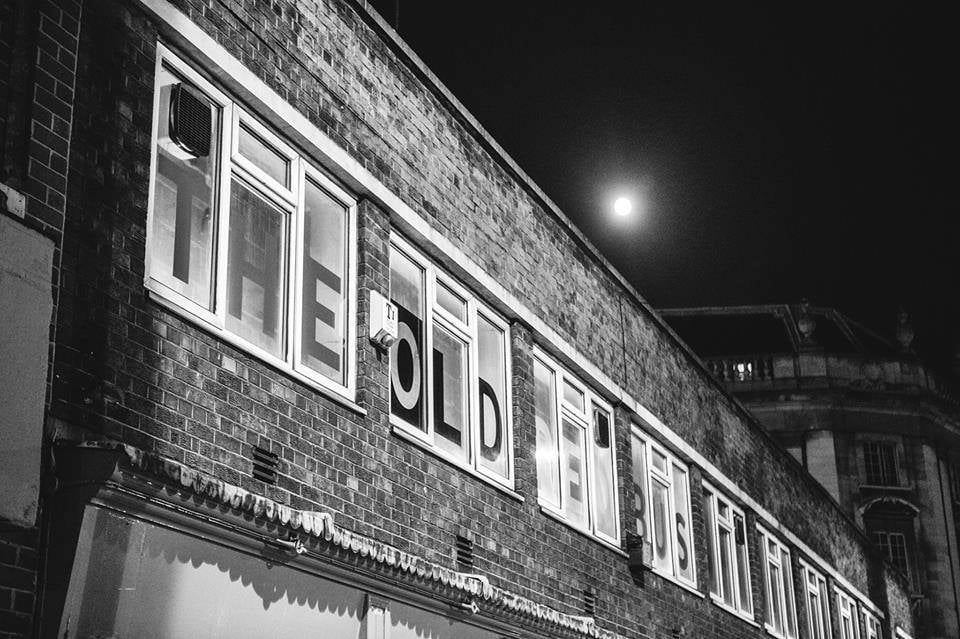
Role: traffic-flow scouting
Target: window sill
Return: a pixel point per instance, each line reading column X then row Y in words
column 553, row 514
column 158, row 297
column 404, row 434
column 779, row 635
column 719, row 603
column 686, row 586
column 903, row 488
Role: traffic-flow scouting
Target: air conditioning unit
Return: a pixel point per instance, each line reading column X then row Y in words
column 383, row 320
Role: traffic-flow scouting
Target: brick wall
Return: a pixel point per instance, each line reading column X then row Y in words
column 18, row 576
column 38, row 46
column 128, row 369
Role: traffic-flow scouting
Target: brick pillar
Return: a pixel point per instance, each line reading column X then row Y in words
column 38, row 58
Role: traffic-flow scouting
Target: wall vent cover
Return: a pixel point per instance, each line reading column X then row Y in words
column 190, row 119
column 464, row 552
column 265, row 465
column 589, row 602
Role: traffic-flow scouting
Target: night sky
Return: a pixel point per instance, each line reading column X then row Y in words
column 777, row 152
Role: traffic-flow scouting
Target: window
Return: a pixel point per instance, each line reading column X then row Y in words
column 246, row 237
column 894, row 546
column 456, row 401
column 727, row 553
column 780, row 613
column 818, row 603
column 576, row 459
column 871, row 626
column 847, row 614
column 879, row 462
column 662, row 493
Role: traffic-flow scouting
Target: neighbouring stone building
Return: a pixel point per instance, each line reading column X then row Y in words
column 293, row 348
column 878, row 429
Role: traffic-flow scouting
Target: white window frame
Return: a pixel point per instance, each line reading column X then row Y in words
column 817, row 616
column 871, row 624
column 786, row 572
column 847, row 612
column 583, row 419
column 741, row 607
column 666, row 480
column 435, row 315
column 289, row 201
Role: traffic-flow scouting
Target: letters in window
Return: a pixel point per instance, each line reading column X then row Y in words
column 661, row 488
column 449, row 368
column 576, row 460
column 246, row 237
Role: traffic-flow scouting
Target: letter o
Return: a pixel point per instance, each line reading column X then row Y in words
column 408, row 397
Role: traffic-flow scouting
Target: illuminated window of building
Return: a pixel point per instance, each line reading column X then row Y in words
column 449, row 368
column 780, row 610
column 576, row 458
column 661, row 486
column 818, row 602
column 871, row 626
column 245, row 236
column 847, row 616
column 727, row 553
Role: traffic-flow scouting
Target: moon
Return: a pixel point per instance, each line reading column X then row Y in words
column 622, row 206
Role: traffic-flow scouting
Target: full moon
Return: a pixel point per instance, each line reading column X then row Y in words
column 622, row 206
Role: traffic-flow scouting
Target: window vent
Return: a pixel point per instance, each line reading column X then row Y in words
column 464, row 553
column 589, row 602
column 190, row 119
column 265, row 465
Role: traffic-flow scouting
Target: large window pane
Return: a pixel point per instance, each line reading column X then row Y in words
column 640, row 488
column 662, row 547
column 492, row 395
column 324, row 296
column 825, row 607
column 576, row 480
column 776, row 601
column 184, row 208
column 790, row 607
column 255, row 270
column 681, row 500
column 743, row 564
column 713, row 562
column 407, row 356
column 813, row 608
column 726, row 567
column 450, row 393
column 545, row 416
column 605, row 507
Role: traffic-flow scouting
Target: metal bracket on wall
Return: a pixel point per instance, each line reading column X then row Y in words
column 16, row 202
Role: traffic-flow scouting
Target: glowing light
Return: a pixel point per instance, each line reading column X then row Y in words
column 622, row 206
